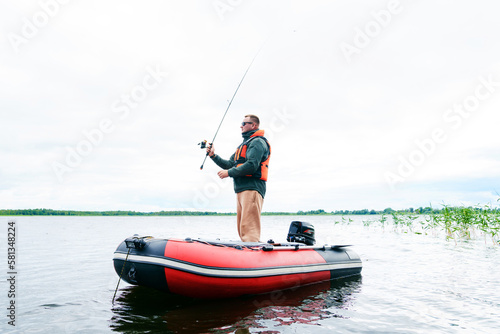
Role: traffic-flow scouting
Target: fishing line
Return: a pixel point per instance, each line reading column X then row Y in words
column 228, row 106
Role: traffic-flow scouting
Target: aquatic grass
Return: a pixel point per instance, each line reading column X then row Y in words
column 383, row 221
column 445, row 220
column 488, row 223
column 402, row 221
column 367, row 223
column 469, row 220
column 344, row 221
column 458, row 223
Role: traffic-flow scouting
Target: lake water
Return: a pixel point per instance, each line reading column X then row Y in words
column 410, row 283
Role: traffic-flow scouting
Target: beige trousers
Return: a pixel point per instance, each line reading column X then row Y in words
column 248, row 209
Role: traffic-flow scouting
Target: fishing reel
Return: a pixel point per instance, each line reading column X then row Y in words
column 204, row 144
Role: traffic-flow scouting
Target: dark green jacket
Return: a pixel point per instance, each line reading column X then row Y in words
column 257, row 150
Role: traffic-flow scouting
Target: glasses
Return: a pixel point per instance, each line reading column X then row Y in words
column 244, row 123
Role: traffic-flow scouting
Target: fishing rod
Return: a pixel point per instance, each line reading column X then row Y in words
column 203, row 144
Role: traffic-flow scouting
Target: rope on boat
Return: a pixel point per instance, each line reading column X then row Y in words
column 121, row 274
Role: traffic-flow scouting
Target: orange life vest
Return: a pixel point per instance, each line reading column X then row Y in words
column 241, row 152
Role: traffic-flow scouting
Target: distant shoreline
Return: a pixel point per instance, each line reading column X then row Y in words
column 50, row 212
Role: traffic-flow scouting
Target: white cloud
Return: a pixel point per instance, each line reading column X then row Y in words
column 349, row 122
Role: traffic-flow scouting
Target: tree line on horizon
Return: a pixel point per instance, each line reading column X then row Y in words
column 51, row 212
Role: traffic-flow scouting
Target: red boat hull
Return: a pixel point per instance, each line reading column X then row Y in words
column 200, row 269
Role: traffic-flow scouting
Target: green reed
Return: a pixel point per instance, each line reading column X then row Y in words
column 459, row 223
column 344, row 221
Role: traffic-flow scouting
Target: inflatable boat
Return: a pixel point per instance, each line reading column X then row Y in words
column 216, row 269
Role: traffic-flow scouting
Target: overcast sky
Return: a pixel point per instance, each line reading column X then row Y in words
column 367, row 104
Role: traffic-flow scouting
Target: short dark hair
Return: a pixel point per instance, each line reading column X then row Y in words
column 254, row 119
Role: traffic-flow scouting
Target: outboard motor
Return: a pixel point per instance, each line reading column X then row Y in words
column 301, row 232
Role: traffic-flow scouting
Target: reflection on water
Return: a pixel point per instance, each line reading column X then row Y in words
column 411, row 283
column 144, row 310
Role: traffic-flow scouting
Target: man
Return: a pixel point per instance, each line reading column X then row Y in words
column 248, row 167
